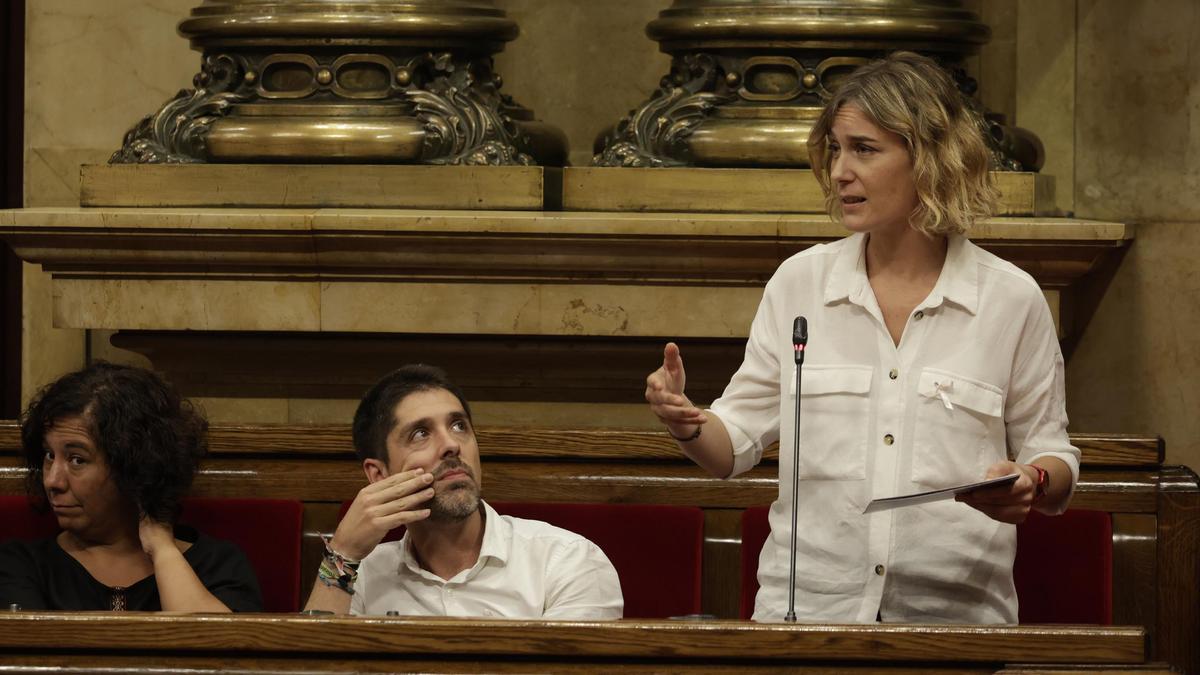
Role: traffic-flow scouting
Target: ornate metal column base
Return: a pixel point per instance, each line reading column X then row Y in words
column 749, row 77
column 408, row 81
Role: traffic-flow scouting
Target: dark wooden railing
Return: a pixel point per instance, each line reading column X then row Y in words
column 1155, row 508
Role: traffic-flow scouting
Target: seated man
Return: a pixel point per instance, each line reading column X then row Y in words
column 458, row 557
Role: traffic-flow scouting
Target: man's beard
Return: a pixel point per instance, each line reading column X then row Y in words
column 458, row 501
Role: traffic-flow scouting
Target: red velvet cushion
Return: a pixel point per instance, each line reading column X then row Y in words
column 1063, row 569
column 267, row 530
column 1076, row 549
column 655, row 549
column 19, row 521
column 755, row 528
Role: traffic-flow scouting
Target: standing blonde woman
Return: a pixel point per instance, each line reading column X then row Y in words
column 931, row 363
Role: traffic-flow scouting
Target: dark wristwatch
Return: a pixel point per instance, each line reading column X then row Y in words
column 1043, row 482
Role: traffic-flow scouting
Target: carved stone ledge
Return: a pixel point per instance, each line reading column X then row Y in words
column 456, row 272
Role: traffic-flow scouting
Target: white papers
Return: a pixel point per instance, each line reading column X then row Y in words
column 935, row 495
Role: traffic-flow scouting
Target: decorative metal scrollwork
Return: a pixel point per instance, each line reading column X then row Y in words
column 394, row 81
column 652, row 135
column 176, row 133
column 461, row 113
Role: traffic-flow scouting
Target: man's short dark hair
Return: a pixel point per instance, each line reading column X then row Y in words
column 151, row 437
column 376, row 414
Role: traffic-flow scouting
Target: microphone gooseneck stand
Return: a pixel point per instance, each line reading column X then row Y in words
column 799, row 343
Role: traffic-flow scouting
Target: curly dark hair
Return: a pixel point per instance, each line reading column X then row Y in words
column 376, row 414
column 152, row 438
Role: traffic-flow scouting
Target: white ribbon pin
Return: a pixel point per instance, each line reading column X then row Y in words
column 941, row 389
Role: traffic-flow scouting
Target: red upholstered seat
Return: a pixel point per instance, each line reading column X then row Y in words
column 267, row 530
column 1076, row 545
column 1077, row 548
column 19, row 521
column 755, row 530
column 655, row 549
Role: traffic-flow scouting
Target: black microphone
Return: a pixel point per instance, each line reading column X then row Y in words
column 799, row 343
column 799, row 338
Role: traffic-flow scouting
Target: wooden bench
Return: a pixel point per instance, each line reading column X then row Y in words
column 1155, row 508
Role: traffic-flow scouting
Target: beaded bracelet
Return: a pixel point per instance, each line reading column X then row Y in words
column 336, row 569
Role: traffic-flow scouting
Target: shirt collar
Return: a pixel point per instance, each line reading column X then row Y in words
column 497, row 545
column 958, row 282
column 848, row 278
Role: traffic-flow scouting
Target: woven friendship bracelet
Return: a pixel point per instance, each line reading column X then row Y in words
column 338, row 570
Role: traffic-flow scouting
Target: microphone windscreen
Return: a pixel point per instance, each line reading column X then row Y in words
column 800, row 331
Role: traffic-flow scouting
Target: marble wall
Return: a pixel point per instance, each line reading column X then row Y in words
column 92, row 70
column 1112, row 88
column 582, row 64
column 1137, row 159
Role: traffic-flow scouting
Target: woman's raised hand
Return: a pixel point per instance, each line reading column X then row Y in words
column 664, row 393
column 155, row 536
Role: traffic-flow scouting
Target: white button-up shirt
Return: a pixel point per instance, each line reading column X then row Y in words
column 977, row 378
column 527, row 569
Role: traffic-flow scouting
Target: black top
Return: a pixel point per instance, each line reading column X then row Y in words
column 41, row 575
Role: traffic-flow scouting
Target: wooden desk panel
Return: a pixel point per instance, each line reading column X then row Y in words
column 335, row 643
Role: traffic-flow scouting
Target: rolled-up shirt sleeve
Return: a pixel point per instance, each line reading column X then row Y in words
column 749, row 406
column 1035, row 414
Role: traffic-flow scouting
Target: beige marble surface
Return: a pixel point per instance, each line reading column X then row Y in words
column 92, row 69
column 47, row 352
column 582, row 64
column 517, row 222
column 995, row 66
column 167, row 304
column 1137, row 367
column 550, row 309
column 1138, row 110
column 1045, row 100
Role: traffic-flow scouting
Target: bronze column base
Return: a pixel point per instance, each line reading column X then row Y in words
column 407, row 81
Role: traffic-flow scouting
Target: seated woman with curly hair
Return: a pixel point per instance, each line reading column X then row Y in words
column 112, row 450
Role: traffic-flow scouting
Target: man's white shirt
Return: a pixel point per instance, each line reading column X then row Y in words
column 526, row 569
column 977, row 378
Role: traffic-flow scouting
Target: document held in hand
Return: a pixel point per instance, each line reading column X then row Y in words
column 936, row 495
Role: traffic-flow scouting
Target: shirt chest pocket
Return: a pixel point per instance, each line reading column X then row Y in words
column 959, row 429
column 834, row 410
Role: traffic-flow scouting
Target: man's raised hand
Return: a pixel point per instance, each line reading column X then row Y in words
column 381, row 507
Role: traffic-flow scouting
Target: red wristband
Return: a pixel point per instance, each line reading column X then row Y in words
column 1043, row 482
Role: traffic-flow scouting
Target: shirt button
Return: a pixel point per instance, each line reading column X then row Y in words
column 879, row 570
column 893, row 373
column 888, row 439
column 919, row 315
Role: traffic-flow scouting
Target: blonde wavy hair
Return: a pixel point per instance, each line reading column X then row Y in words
column 911, row 96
